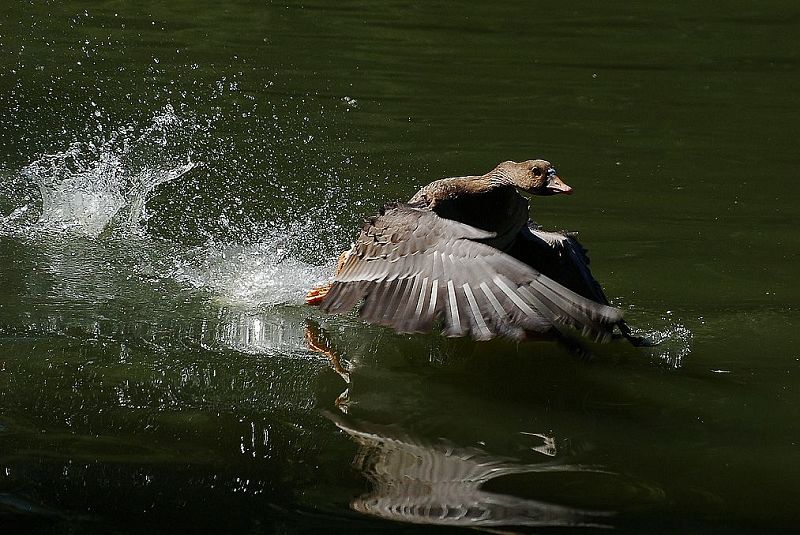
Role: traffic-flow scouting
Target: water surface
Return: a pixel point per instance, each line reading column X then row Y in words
column 173, row 177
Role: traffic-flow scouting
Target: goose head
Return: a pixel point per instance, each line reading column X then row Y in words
column 537, row 177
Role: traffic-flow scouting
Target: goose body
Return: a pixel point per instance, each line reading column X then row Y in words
column 463, row 253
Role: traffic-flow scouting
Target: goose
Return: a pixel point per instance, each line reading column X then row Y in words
column 464, row 255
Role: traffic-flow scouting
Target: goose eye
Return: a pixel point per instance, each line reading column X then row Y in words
column 537, row 171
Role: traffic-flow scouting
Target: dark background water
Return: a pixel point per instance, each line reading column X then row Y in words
column 153, row 371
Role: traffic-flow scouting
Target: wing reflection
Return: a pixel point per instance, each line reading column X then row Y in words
column 440, row 484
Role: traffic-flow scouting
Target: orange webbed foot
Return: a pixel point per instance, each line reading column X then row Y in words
column 315, row 296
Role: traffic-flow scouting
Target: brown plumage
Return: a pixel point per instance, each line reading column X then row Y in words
column 463, row 252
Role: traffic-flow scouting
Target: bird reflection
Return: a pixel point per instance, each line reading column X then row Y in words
column 438, row 483
column 423, row 482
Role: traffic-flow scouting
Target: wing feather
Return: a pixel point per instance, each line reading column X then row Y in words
column 412, row 268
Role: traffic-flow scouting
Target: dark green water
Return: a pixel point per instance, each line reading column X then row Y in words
column 154, row 376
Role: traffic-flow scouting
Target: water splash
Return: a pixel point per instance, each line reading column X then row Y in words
column 247, row 270
column 95, row 188
column 257, row 275
column 674, row 344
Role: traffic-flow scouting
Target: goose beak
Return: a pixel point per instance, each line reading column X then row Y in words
column 555, row 185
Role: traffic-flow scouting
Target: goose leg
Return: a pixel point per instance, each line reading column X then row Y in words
column 636, row 341
column 317, row 340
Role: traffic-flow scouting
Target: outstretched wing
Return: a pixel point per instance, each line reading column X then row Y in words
column 561, row 257
column 413, row 268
